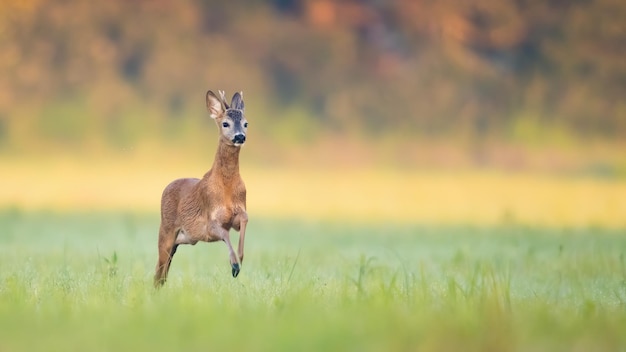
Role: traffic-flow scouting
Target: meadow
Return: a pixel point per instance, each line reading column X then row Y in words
column 336, row 258
column 82, row 281
column 421, row 175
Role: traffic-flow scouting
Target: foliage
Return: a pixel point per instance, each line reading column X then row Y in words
column 433, row 68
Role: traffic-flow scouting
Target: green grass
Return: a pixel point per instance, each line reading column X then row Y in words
column 82, row 282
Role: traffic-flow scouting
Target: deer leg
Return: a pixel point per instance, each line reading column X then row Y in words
column 233, row 257
column 167, row 249
column 217, row 231
column 166, row 269
column 242, row 237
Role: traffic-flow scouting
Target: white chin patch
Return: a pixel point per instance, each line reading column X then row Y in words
column 237, row 144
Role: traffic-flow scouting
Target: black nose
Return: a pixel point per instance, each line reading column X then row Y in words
column 239, row 138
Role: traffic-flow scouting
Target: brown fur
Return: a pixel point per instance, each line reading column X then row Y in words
column 206, row 209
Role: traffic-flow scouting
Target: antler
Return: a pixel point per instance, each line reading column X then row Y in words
column 223, row 98
column 222, row 95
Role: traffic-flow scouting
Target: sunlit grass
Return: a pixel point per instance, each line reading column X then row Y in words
column 82, row 281
column 407, row 196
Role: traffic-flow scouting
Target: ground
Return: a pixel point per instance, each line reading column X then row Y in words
column 82, row 281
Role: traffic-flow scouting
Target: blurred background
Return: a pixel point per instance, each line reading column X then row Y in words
column 102, row 103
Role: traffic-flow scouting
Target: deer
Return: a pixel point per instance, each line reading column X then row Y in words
column 194, row 210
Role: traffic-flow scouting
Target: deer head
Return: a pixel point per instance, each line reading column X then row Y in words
column 230, row 120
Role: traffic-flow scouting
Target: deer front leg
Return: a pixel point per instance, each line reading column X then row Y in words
column 233, row 257
column 242, row 237
column 217, row 231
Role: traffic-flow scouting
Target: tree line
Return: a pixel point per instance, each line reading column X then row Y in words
column 71, row 69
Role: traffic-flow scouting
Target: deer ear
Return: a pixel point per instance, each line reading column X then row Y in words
column 237, row 101
column 214, row 105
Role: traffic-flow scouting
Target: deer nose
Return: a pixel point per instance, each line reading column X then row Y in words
column 239, row 138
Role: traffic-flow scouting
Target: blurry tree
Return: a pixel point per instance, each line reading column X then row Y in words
column 123, row 70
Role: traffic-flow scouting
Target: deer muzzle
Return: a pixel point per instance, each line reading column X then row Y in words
column 239, row 138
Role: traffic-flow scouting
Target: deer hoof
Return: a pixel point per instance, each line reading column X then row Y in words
column 235, row 270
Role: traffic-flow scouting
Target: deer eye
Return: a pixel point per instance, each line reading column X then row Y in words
column 225, row 124
column 245, row 125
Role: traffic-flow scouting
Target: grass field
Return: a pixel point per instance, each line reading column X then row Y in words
column 378, row 194
column 336, row 258
column 81, row 281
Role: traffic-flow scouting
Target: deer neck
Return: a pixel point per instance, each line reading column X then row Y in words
column 226, row 164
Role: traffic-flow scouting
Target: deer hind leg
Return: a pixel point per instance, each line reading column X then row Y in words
column 167, row 249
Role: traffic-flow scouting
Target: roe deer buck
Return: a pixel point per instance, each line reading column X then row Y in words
column 206, row 209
